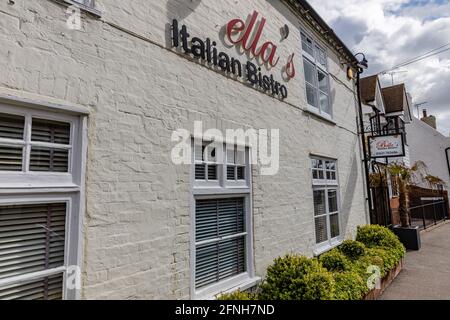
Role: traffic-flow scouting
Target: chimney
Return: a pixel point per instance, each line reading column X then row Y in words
column 429, row 120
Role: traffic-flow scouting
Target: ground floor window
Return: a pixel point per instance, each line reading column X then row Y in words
column 326, row 200
column 221, row 244
column 42, row 157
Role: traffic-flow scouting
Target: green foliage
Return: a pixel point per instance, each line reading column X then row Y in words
column 295, row 277
column 374, row 236
column 349, row 286
column 352, row 249
column 335, row 260
column 341, row 273
column 238, row 295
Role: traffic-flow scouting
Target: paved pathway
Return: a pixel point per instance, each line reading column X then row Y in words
column 426, row 273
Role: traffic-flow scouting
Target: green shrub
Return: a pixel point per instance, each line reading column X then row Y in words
column 295, row 277
column 334, row 260
column 238, row 295
column 349, row 286
column 352, row 249
column 378, row 236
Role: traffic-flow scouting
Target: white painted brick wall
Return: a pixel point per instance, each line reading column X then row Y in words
column 137, row 221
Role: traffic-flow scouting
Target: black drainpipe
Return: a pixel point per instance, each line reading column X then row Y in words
column 448, row 159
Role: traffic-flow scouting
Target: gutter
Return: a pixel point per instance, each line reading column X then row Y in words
column 328, row 32
column 448, row 159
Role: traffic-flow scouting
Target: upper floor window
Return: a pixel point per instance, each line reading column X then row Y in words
column 87, row 3
column 316, row 76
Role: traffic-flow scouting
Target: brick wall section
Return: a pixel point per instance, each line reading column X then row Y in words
column 137, row 226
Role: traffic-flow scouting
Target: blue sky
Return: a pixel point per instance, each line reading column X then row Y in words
column 393, row 31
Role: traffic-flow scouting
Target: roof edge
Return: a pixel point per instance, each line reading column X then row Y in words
column 303, row 8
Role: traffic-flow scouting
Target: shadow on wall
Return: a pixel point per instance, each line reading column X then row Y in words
column 181, row 9
column 350, row 188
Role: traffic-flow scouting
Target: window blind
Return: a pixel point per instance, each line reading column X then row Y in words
column 49, row 159
column 50, row 131
column 49, row 288
column 219, row 259
column 11, row 158
column 11, row 126
column 32, row 238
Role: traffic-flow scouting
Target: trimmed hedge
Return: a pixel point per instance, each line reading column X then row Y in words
column 352, row 249
column 238, row 295
column 339, row 274
column 296, row 277
column 335, row 260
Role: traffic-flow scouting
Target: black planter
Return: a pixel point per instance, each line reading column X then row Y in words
column 409, row 236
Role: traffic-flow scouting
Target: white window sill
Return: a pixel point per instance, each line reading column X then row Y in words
column 322, row 248
column 83, row 7
column 231, row 286
column 313, row 111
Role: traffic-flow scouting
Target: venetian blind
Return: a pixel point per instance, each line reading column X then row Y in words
column 11, row 127
column 32, row 238
column 49, row 288
column 46, row 158
column 218, row 259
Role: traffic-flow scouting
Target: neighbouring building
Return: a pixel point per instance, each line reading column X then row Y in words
column 429, row 145
column 92, row 108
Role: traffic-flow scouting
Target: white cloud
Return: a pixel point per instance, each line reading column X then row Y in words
column 392, row 31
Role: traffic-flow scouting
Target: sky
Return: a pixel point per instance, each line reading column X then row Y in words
column 391, row 32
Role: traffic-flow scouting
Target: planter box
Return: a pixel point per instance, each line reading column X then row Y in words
column 410, row 237
column 385, row 282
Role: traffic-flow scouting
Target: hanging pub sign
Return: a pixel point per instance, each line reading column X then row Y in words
column 247, row 36
column 387, row 146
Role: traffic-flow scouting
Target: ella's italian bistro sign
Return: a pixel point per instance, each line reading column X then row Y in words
column 248, row 37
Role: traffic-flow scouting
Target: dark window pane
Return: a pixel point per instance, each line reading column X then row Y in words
column 241, row 173
column 315, row 174
column 321, row 229
column 319, row 202
column 332, row 201
column 321, row 175
column 212, row 172
column 49, row 159
column 11, row 126
column 334, row 223
column 50, row 131
column 32, row 238
column 11, row 158
column 230, row 173
column 221, row 259
column 200, row 172
column 49, row 288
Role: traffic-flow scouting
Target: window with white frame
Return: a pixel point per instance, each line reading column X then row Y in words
column 37, row 147
column 206, row 162
column 326, row 200
column 235, row 163
column 222, row 242
column 316, row 76
column 87, row 3
column 38, row 230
